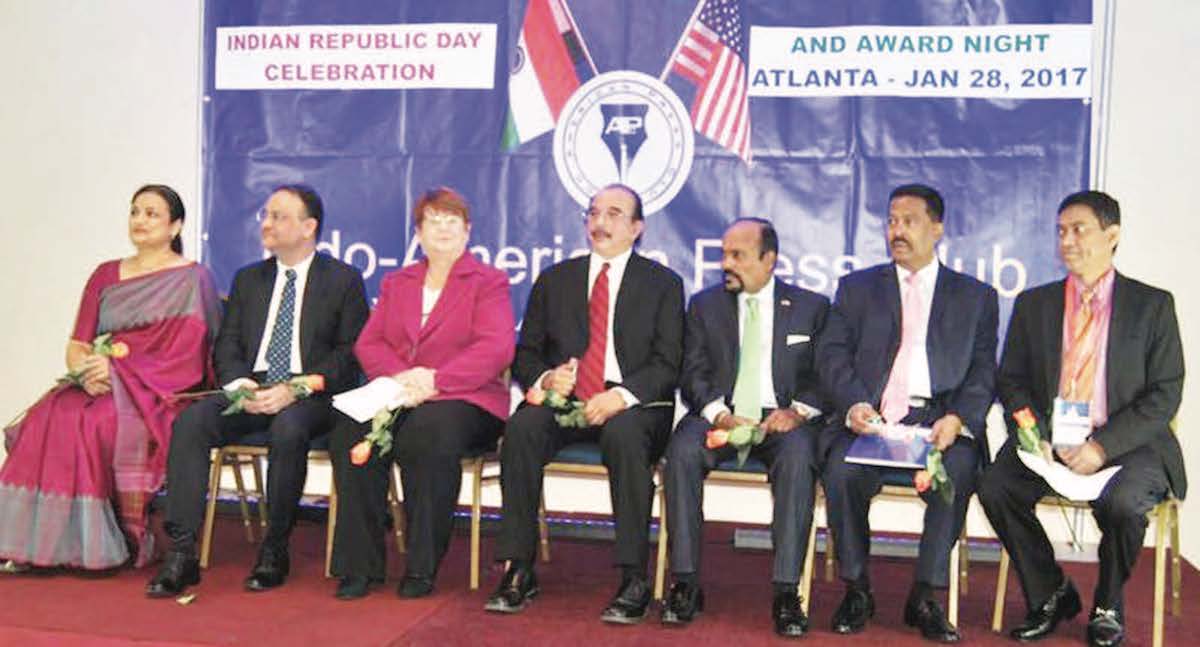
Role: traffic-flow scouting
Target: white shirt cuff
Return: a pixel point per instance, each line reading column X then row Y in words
column 714, row 409
column 241, row 382
column 809, row 412
column 631, row 401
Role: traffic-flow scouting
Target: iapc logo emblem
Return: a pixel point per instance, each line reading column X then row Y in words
column 625, row 127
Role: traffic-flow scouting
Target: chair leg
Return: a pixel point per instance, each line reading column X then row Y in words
column 964, row 559
column 829, row 554
column 331, row 526
column 806, row 575
column 1161, row 515
column 263, row 512
column 952, row 594
column 240, row 483
column 660, row 568
column 397, row 510
column 543, row 529
column 1001, row 589
column 210, row 510
column 1176, row 567
column 476, row 498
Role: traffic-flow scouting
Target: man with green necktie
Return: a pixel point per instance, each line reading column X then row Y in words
column 748, row 361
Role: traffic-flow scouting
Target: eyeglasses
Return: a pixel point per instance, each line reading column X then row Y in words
column 273, row 216
column 595, row 215
column 443, row 219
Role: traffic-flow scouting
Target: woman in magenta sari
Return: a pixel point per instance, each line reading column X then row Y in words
column 86, row 459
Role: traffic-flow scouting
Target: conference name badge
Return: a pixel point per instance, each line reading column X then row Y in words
column 1071, row 423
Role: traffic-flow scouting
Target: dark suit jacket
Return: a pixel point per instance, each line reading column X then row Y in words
column 860, row 342
column 1144, row 376
column 711, row 347
column 333, row 312
column 647, row 326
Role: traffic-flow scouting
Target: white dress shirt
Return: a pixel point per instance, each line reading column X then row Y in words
column 765, row 298
column 296, row 367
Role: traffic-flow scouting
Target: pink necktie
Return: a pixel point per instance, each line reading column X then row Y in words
column 895, row 395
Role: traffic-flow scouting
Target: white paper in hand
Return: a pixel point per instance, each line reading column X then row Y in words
column 1068, row 484
column 363, row 403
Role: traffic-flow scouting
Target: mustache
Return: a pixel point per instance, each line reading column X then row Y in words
column 900, row 239
column 730, row 274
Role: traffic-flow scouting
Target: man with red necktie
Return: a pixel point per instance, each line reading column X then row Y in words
column 605, row 329
column 1106, row 344
column 910, row 342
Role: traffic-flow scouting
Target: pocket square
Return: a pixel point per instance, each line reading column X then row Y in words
column 797, row 339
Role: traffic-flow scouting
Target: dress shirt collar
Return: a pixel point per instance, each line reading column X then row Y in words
column 926, row 276
column 616, row 264
column 1101, row 291
column 765, row 296
column 301, row 267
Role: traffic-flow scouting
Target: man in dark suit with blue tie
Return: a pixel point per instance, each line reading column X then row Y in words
column 909, row 342
column 749, row 359
column 297, row 313
column 1122, row 361
column 613, row 360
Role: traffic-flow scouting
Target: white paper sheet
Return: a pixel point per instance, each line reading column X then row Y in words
column 1066, row 483
column 363, row 403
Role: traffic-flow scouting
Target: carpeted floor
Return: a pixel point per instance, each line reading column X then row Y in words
column 68, row 608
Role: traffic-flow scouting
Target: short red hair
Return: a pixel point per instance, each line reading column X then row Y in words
column 441, row 198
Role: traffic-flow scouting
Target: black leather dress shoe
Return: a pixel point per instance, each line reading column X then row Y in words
column 269, row 571
column 684, row 602
column 352, row 587
column 179, row 571
column 415, row 586
column 629, row 605
column 927, row 615
column 857, row 607
column 1105, row 629
column 1063, row 604
column 516, row 589
column 788, row 615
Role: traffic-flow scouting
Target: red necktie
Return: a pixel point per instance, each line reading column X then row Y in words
column 591, row 369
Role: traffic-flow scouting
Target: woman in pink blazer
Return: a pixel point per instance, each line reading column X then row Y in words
column 443, row 328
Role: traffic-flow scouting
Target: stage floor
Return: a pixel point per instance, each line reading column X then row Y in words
column 63, row 608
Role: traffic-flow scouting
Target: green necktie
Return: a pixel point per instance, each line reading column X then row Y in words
column 747, row 392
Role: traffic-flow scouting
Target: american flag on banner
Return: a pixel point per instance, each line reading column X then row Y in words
column 711, row 57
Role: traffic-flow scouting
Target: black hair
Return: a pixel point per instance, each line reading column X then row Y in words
column 1106, row 208
column 637, row 199
column 769, row 239
column 933, row 200
column 174, row 207
column 313, row 206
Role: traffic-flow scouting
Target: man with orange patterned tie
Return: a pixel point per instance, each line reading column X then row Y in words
column 605, row 329
column 1101, row 343
column 910, row 342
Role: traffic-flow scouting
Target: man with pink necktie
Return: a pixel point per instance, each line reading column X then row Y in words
column 605, row 329
column 910, row 342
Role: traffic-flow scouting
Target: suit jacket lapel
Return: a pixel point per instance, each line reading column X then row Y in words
column 1052, row 332
column 314, row 287
column 889, row 287
column 448, row 300
column 412, row 300
column 576, row 300
column 1118, row 323
column 730, row 345
column 943, row 293
column 261, row 300
column 626, row 299
column 783, row 311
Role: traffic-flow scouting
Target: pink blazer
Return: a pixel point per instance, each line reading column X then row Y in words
column 468, row 338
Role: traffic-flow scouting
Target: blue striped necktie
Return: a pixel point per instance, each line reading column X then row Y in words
column 279, row 350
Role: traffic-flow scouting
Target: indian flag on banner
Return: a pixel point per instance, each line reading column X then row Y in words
column 551, row 63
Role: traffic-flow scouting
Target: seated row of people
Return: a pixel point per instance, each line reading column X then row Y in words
column 907, row 342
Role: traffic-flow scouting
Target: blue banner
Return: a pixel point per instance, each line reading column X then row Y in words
column 712, row 109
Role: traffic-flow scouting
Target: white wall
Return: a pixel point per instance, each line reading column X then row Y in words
column 102, row 97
